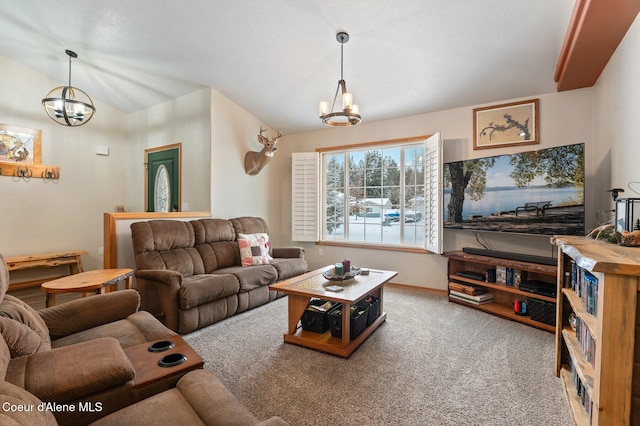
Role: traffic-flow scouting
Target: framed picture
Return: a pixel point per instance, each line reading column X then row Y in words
column 19, row 145
column 510, row 124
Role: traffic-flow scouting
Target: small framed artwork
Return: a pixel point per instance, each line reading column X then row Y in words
column 19, row 145
column 512, row 124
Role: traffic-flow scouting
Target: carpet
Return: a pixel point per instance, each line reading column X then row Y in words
column 431, row 363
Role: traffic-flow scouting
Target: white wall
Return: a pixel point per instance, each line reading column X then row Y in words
column 617, row 119
column 565, row 118
column 234, row 193
column 40, row 216
column 185, row 120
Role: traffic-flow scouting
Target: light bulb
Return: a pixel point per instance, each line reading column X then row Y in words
column 324, row 108
column 347, row 100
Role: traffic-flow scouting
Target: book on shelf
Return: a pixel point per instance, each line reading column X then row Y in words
column 585, row 285
column 587, row 342
column 479, row 299
column 472, row 289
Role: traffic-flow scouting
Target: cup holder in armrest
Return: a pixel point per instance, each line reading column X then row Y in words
column 171, row 360
column 161, row 346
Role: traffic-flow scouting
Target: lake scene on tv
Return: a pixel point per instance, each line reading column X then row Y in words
column 533, row 192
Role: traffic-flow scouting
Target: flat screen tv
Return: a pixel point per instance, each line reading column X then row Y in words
column 533, row 192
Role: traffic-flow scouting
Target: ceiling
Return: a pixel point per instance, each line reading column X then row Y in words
column 277, row 59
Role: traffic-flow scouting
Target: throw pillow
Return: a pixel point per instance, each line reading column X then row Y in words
column 254, row 249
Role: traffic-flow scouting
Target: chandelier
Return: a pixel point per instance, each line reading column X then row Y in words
column 349, row 116
column 68, row 105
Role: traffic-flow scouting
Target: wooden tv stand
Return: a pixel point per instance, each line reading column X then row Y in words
column 503, row 295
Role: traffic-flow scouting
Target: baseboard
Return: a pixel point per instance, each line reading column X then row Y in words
column 417, row 288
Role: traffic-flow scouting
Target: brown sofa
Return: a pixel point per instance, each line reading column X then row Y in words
column 198, row 398
column 190, row 274
column 71, row 358
column 73, row 352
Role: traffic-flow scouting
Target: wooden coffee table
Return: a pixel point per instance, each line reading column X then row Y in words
column 302, row 288
column 98, row 281
column 146, row 363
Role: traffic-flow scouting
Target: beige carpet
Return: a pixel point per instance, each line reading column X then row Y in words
column 431, row 363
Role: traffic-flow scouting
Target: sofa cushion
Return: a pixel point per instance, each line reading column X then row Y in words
column 23, row 329
column 254, row 249
column 199, row 398
column 137, row 328
column 215, row 240
column 253, row 277
column 249, row 225
column 289, row 268
column 73, row 372
column 166, row 244
column 204, row 288
column 17, row 397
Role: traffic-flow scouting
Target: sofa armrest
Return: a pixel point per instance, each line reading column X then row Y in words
column 288, row 252
column 73, row 372
column 163, row 276
column 89, row 312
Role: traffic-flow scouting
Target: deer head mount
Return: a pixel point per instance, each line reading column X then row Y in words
column 255, row 161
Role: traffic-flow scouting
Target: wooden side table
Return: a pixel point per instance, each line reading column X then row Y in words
column 97, row 281
column 46, row 260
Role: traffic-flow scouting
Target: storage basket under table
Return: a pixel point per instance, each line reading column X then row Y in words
column 315, row 320
column 372, row 303
column 359, row 316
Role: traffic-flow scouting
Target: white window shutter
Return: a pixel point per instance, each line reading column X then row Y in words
column 305, row 196
column 433, row 186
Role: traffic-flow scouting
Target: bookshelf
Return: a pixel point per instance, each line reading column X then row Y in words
column 503, row 294
column 597, row 355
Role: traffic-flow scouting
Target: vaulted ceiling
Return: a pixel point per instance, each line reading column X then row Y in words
column 277, row 59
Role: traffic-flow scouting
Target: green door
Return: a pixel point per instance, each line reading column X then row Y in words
column 163, row 180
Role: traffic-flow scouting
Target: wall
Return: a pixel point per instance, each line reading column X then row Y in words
column 185, row 120
column 67, row 214
column 565, row 118
column 234, row 193
column 617, row 126
column 38, row 215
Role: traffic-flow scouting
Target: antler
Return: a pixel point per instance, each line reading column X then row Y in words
column 262, row 139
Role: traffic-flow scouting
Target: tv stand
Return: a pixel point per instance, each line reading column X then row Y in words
column 512, row 256
column 468, row 269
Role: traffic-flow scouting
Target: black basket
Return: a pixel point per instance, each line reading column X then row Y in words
column 359, row 316
column 372, row 303
column 542, row 311
column 313, row 320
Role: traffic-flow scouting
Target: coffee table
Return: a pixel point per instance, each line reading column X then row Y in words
column 302, row 288
column 146, row 363
column 98, row 281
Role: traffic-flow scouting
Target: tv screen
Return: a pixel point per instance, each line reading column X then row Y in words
column 533, row 192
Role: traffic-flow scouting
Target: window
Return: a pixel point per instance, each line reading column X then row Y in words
column 380, row 194
column 162, row 190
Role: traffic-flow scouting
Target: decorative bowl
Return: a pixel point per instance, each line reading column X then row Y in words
column 349, row 275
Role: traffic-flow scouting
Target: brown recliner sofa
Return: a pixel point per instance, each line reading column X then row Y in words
column 73, row 352
column 66, row 365
column 190, row 274
column 198, row 398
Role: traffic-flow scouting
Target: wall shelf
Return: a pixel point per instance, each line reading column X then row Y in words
column 27, row 171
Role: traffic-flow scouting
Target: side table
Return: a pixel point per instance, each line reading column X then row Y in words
column 97, row 281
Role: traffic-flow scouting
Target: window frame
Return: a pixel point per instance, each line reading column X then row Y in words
column 346, row 150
